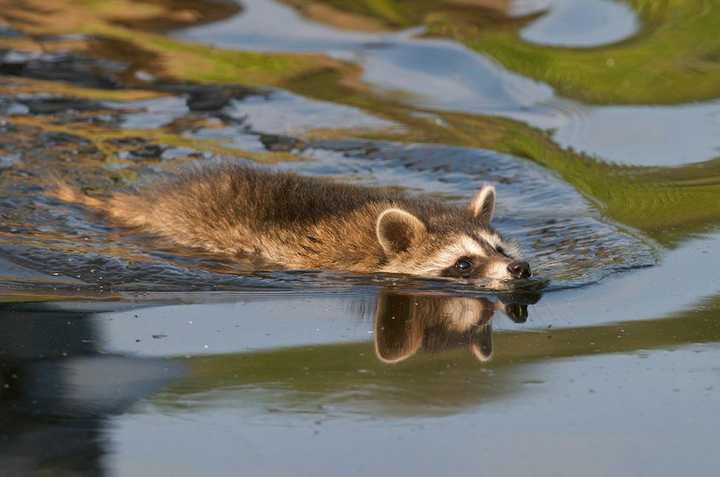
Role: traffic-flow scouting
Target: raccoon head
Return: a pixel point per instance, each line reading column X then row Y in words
column 462, row 245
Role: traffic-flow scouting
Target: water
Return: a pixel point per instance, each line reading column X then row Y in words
column 418, row 67
column 121, row 355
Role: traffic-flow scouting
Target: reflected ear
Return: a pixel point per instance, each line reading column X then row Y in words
column 483, row 204
column 398, row 334
column 481, row 345
column 397, row 230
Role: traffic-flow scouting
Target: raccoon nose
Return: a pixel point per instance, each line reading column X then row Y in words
column 519, row 269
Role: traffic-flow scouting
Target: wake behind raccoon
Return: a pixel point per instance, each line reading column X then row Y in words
column 312, row 223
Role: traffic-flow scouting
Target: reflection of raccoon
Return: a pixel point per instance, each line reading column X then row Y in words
column 405, row 323
column 309, row 223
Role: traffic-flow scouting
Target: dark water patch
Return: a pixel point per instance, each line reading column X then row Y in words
column 58, row 138
column 52, row 405
column 207, row 98
column 69, row 67
column 116, row 65
column 37, row 104
column 275, row 142
column 146, row 152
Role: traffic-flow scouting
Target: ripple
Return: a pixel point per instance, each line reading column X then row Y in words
column 554, row 225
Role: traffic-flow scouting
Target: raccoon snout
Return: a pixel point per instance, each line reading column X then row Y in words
column 519, row 269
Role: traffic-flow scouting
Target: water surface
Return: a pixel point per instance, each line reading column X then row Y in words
column 121, row 355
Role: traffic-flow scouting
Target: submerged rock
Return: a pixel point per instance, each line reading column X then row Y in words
column 148, row 151
column 69, row 67
column 56, row 138
column 207, row 98
column 279, row 143
column 55, row 105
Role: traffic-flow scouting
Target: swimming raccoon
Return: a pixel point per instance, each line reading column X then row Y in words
column 312, row 223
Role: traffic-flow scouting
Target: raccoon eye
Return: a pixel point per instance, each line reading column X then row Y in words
column 463, row 265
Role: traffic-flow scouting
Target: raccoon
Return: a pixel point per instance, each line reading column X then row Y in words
column 300, row 222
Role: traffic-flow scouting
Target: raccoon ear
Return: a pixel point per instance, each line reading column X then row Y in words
column 397, row 229
column 483, row 204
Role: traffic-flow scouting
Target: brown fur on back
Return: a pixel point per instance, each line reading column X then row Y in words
column 295, row 221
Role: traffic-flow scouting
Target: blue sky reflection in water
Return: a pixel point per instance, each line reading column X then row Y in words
column 418, row 68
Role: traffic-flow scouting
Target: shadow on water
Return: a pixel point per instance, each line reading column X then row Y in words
column 58, row 389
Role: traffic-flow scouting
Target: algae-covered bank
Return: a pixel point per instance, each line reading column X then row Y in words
column 597, row 121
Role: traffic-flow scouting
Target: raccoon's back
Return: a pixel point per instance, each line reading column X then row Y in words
column 273, row 199
column 229, row 208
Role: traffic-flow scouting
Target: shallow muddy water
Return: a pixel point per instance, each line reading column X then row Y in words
column 121, row 355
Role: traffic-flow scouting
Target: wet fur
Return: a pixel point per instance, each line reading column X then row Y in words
column 295, row 221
